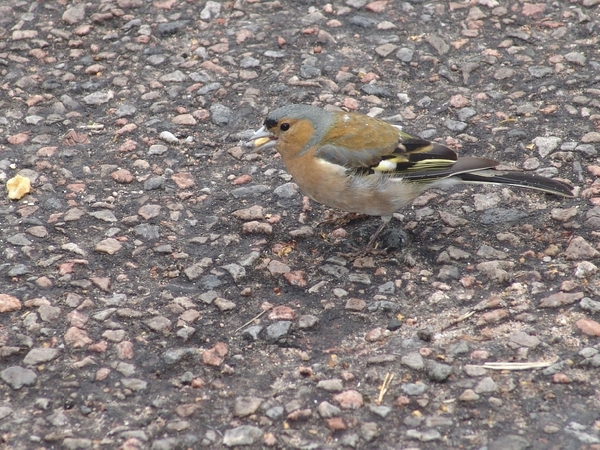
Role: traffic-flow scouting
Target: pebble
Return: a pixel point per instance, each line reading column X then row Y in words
column 9, row 303
column 455, row 125
column 307, row 321
column 40, row 355
column 437, row 371
column 588, row 326
column 350, row 399
column 237, row 272
column 17, row 377
column 245, row 406
column 327, row 410
column 560, row 299
column 590, row 305
column 474, row 371
column 414, row 388
column 332, row 385
column 242, row 435
column 405, row 54
column 278, row 330
column 579, row 249
column 486, row 386
column 524, row 340
column 424, row 436
column 585, row 269
column 287, row 190
column 469, row 395
column 413, row 360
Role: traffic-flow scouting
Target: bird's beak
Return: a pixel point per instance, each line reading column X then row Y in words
column 263, row 139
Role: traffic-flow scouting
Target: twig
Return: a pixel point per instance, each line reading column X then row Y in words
column 517, row 366
column 92, row 126
column 465, row 316
column 250, row 321
column 384, row 387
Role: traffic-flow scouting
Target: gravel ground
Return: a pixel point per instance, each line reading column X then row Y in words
column 164, row 286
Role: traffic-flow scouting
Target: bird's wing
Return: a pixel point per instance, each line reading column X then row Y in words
column 366, row 145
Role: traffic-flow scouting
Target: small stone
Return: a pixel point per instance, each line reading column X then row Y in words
column 158, row 324
column 576, row 58
column 504, row 73
column 134, row 384
column 236, row 271
column 405, row 54
column 413, row 360
column 109, row 246
column 282, row 313
column 385, row 50
column 374, row 335
column 307, row 321
column 253, row 213
column 438, row 44
column 350, row 399
column 40, row 355
column 474, row 371
column 486, row 386
column 355, row 304
column 9, row 303
column 438, row 371
column 564, row 215
column 579, row 249
column 468, row 395
column 277, row 267
column 245, row 406
column 588, row 326
column 332, row 385
column 585, row 269
column 335, row 424
column 326, row 410
column 255, row 227
column 524, row 340
column 540, row 71
column 560, row 299
column 546, row 145
column 122, row 176
column 590, row 305
column 278, row 330
column 77, row 338
column 414, row 388
column 224, row 304
column 242, row 435
column 17, row 377
column 424, row 436
column 287, row 190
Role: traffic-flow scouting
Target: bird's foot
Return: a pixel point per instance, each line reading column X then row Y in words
column 393, row 239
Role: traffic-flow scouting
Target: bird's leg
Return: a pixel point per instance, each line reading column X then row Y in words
column 371, row 247
column 384, row 221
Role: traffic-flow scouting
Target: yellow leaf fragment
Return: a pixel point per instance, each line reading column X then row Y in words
column 18, row 186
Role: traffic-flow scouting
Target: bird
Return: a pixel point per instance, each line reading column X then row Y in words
column 365, row 165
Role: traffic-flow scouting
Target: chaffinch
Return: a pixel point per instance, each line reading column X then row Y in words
column 365, row 165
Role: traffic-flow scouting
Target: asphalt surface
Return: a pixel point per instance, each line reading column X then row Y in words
column 165, row 286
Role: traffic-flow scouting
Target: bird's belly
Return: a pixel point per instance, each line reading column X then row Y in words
column 376, row 195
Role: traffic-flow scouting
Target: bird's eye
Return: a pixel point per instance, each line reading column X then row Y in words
column 284, row 126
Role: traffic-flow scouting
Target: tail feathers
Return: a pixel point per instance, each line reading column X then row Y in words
column 527, row 180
